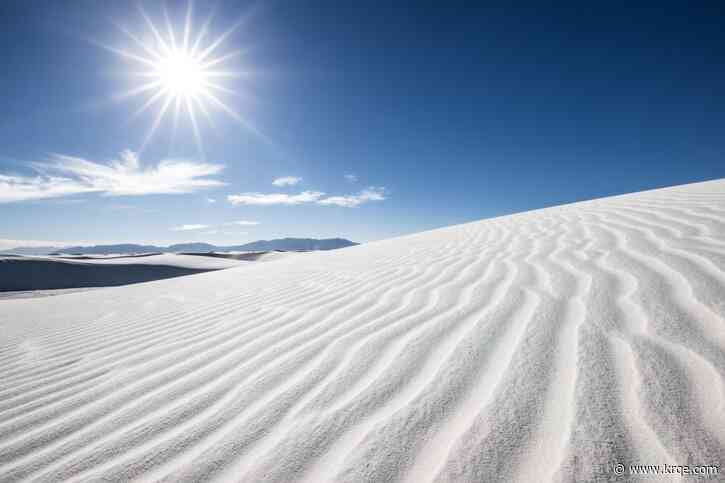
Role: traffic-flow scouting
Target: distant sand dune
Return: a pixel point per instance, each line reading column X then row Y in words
column 45, row 273
column 245, row 256
column 544, row 346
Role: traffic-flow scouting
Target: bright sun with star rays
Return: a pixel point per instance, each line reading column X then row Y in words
column 180, row 72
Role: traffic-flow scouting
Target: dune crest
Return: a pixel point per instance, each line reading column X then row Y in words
column 544, row 346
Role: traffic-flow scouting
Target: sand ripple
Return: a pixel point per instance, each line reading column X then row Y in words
column 544, row 346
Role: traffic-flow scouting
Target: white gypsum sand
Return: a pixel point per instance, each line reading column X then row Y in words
column 544, row 346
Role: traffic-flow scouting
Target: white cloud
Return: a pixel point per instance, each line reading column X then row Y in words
column 371, row 193
column 210, row 200
column 286, row 181
column 275, row 198
column 67, row 175
column 22, row 188
column 352, row 178
column 212, row 229
column 351, row 201
column 243, row 223
column 189, row 227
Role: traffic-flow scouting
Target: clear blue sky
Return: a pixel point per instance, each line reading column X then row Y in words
column 444, row 112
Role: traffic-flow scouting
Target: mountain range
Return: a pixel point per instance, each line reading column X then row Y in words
column 283, row 244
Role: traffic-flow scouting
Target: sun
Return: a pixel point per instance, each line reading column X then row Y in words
column 180, row 72
column 181, row 75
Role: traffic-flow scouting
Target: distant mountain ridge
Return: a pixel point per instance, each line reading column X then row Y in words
column 285, row 244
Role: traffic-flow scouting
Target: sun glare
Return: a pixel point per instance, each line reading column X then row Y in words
column 180, row 72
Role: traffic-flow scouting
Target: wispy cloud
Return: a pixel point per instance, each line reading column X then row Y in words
column 372, row 193
column 189, row 227
column 263, row 199
column 23, row 188
column 67, row 175
column 351, row 178
column 243, row 223
column 213, row 228
column 210, row 200
column 286, row 181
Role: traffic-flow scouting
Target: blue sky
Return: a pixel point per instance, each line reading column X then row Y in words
column 442, row 113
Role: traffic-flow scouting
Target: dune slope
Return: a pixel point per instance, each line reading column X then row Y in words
column 544, row 346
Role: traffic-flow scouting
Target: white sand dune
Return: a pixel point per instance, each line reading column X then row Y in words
column 169, row 260
column 545, row 346
column 262, row 256
column 47, row 273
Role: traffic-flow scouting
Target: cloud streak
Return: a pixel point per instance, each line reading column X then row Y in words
column 286, row 181
column 243, row 223
column 372, row 193
column 189, row 227
column 212, row 228
column 262, row 199
column 67, row 175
